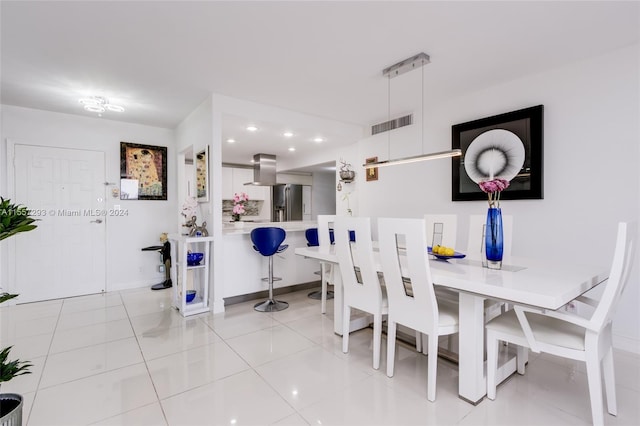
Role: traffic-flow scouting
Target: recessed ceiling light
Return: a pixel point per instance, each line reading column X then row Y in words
column 318, row 139
column 230, row 140
column 252, row 128
column 292, row 149
column 252, row 161
column 287, row 134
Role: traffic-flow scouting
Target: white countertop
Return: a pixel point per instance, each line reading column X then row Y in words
column 229, row 228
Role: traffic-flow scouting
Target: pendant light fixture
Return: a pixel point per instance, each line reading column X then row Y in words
column 414, row 62
column 99, row 104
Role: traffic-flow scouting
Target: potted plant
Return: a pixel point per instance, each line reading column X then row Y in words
column 346, row 174
column 14, row 219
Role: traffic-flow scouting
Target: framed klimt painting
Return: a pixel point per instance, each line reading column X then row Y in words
column 143, row 172
column 507, row 146
column 202, row 175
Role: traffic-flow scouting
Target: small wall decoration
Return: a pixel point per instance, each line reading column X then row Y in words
column 143, row 172
column 507, row 146
column 346, row 172
column 372, row 174
column 202, row 175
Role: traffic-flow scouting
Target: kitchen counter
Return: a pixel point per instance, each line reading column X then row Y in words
column 243, row 267
column 230, row 228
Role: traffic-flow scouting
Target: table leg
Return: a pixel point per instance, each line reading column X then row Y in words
column 337, row 300
column 472, row 385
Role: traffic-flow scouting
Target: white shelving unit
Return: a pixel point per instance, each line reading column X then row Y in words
column 185, row 277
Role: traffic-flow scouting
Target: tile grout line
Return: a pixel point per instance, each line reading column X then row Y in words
column 146, row 365
column 46, row 358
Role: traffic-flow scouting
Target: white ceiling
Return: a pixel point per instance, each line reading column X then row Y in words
column 162, row 59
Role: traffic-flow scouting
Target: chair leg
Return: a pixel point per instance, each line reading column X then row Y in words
column 323, row 290
column 492, row 364
column 391, row 346
column 522, row 356
column 346, row 323
column 377, row 340
column 610, row 382
column 418, row 341
column 450, row 343
column 432, row 367
column 425, row 343
column 271, row 305
column 595, row 385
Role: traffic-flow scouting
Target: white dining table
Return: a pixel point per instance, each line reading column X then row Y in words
column 545, row 284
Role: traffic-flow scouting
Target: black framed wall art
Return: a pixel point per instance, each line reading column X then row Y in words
column 143, row 172
column 507, row 146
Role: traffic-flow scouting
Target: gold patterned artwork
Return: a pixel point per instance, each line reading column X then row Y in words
column 202, row 174
column 147, row 165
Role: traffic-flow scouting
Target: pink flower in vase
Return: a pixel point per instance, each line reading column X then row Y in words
column 493, row 188
column 239, row 201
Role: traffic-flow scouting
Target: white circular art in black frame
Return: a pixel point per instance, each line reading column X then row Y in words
column 496, row 153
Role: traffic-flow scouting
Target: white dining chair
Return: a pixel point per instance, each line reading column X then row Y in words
column 571, row 336
column 361, row 286
column 412, row 298
column 325, row 223
column 442, row 229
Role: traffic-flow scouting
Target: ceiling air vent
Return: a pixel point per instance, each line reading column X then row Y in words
column 392, row 124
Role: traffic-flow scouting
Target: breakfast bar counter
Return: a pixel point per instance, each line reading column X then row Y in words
column 242, row 228
column 244, row 267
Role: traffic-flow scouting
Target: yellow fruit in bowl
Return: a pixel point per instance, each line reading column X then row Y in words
column 436, row 249
column 448, row 251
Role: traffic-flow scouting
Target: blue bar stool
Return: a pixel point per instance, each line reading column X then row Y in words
column 312, row 241
column 268, row 242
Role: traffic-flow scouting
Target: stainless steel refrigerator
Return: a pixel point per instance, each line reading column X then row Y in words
column 286, row 201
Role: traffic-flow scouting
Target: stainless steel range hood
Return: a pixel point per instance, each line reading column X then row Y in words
column 264, row 170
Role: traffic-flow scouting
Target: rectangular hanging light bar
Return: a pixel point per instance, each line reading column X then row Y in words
column 415, row 159
column 409, row 64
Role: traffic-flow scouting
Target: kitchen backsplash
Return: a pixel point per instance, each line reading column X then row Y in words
column 252, row 207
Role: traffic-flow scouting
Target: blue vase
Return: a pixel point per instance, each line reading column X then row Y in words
column 493, row 238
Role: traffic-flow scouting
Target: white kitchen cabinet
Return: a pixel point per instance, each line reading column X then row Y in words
column 227, row 183
column 233, row 181
column 240, row 177
column 185, row 277
column 306, row 202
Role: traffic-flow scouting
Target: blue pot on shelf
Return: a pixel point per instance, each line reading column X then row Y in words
column 494, row 241
column 194, row 259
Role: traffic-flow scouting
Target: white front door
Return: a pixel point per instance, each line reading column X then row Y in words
column 65, row 255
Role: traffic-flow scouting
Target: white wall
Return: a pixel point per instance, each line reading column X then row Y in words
column 202, row 128
column 127, row 265
column 591, row 174
column 323, row 194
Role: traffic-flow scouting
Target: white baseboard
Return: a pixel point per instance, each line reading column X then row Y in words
column 131, row 285
column 218, row 306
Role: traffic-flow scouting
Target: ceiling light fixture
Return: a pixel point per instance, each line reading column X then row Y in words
column 287, row 134
column 99, row 104
column 417, row 61
column 318, row 140
column 252, row 128
column 292, row 149
column 230, row 140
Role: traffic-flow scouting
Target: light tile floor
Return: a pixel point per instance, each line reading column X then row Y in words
column 127, row 358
